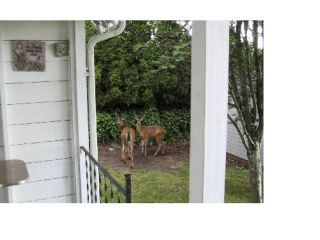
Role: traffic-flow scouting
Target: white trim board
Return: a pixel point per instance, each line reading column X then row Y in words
column 80, row 109
column 6, row 193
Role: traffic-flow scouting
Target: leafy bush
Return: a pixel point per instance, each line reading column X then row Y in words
column 149, row 64
column 177, row 124
column 175, row 121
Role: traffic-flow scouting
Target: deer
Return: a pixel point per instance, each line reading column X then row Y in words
column 152, row 131
column 127, row 136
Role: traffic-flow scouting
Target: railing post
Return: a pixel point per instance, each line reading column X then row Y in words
column 93, row 186
column 128, row 187
column 87, row 177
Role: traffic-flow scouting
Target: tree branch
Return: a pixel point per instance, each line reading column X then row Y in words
column 243, row 83
column 252, row 90
column 239, row 131
column 235, row 91
column 259, row 77
column 242, row 120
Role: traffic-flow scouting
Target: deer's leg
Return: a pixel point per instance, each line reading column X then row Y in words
column 131, row 155
column 163, row 147
column 159, row 141
column 123, row 157
column 146, row 140
column 142, row 145
column 127, row 153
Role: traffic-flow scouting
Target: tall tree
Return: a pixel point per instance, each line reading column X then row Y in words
column 149, row 64
column 246, row 95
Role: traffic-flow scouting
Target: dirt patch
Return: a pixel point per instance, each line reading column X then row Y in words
column 174, row 158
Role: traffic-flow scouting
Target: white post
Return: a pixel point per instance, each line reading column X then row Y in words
column 110, row 33
column 80, row 111
column 6, row 194
column 209, row 105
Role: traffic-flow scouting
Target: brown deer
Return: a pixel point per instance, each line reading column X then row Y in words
column 128, row 136
column 147, row 132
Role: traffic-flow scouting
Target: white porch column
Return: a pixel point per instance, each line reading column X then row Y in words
column 209, row 105
column 5, row 193
column 80, row 109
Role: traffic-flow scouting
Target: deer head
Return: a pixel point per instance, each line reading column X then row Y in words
column 139, row 120
column 120, row 121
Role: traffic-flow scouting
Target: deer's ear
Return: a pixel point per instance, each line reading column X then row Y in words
column 142, row 118
column 135, row 116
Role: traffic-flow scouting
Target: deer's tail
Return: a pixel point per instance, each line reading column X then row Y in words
column 128, row 140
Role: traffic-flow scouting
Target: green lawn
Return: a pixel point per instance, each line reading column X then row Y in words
column 173, row 186
column 237, row 185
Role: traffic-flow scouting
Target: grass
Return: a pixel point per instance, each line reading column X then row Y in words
column 173, row 186
column 156, row 186
column 237, row 188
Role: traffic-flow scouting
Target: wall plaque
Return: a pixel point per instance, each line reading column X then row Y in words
column 28, row 56
column 61, row 49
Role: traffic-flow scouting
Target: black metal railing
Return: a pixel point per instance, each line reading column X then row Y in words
column 98, row 176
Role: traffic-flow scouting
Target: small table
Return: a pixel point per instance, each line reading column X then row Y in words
column 13, row 172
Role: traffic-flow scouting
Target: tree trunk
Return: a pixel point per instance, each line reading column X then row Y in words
column 255, row 171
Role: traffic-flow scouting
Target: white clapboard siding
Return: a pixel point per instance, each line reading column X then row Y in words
column 50, row 169
column 39, row 132
column 234, row 143
column 43, row 189
column 42, row 151
column 38, row 112
column 50, row 52
column 60, row 199
column 37, row 92
column 35, row 30
column 1, row 141
column 55, row 71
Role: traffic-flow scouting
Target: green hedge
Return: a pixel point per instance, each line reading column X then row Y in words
column 175, row 121
column 149, row 64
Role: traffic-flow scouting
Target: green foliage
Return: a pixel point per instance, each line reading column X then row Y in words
column 177, row 124
column 107, row 127
column 175, row 121
column 147, row 67
column 149, row 64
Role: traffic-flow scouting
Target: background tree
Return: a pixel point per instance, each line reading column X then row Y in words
column 148, row 65
column 246, row 94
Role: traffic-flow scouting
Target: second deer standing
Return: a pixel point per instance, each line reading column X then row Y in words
column 147, row 132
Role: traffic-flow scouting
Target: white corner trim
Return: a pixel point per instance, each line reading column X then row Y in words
column 4, row 119
column 80, row 109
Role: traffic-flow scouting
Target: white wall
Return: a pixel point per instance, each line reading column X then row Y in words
column 39, row 114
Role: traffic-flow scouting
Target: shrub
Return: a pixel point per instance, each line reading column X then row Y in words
column 175, row 121
column 149, row 64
